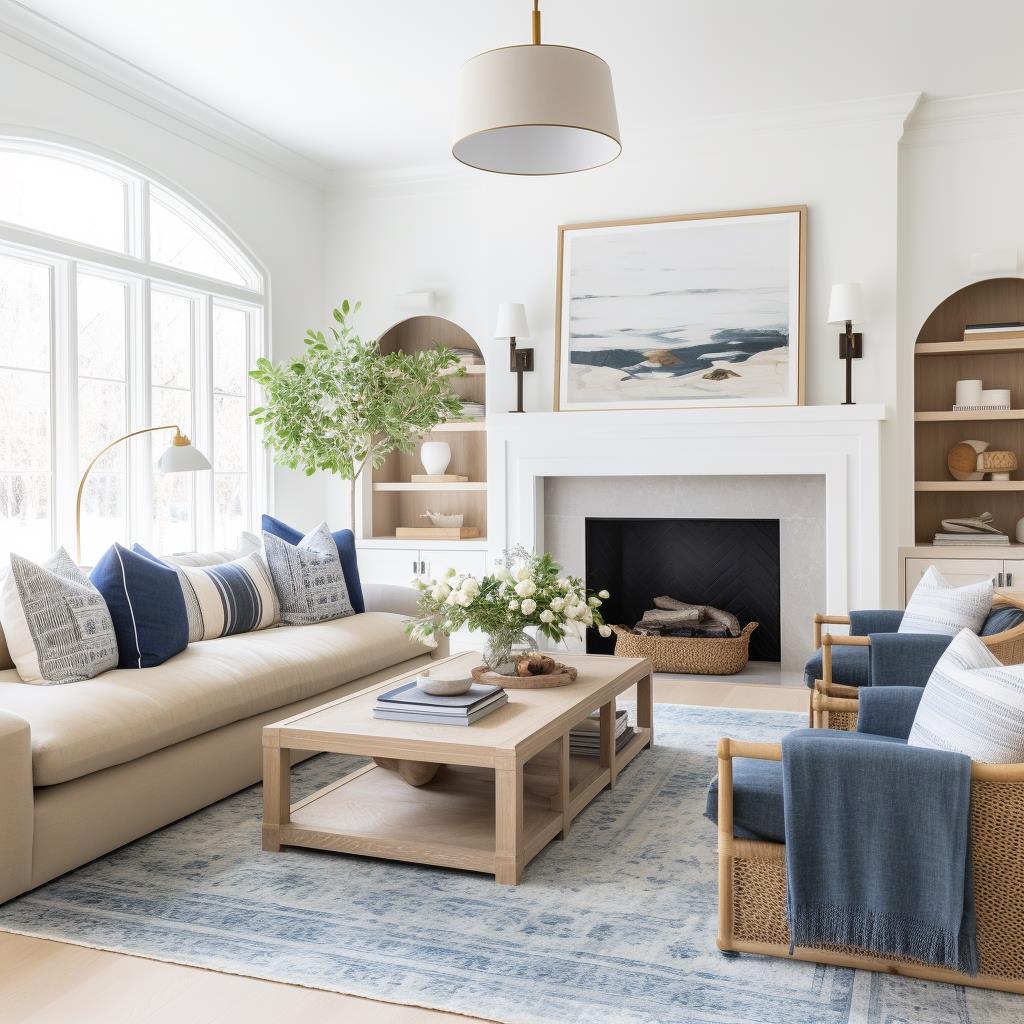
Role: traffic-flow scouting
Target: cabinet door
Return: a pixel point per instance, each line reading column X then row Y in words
column 473, row 562
column 959, row 571
column 397, row 566
column 1014, row 569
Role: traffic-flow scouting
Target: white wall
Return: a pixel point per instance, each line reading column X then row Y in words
column 278, row 216
column 483, row 239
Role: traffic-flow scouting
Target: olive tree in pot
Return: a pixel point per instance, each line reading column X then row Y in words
column 344, row 405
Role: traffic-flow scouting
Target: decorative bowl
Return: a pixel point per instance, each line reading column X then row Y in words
column 454, row 519
column 438, row 683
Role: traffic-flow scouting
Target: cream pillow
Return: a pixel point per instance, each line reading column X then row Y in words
column 973, row 704
column 248, row 544
column 936, row 606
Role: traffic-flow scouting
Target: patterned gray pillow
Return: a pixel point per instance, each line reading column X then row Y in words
column 57, row 624
column 308, row 577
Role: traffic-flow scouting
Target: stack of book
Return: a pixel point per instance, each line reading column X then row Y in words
column 585, row 736
column 1013, row 331
column 408, row 703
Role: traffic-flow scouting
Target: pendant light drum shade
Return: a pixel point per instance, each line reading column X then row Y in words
column 536, row 109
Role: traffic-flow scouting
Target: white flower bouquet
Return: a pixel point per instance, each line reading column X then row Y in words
column 525, row 590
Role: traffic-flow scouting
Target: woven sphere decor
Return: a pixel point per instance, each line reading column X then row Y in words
column 997, row 462
column 963, row 460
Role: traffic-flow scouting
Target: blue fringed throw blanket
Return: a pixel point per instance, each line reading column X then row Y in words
column 877, row 851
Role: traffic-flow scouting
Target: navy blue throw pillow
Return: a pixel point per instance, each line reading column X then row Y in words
column 146, row 603
column 346, row 542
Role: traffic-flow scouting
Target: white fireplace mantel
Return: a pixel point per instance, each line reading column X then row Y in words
column 839, row 443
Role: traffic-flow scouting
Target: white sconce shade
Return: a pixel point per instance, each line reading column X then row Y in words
column 846, row 303
column 511, row 321
column 182, row 458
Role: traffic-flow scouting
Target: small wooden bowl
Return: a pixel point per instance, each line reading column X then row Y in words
column 562, row 676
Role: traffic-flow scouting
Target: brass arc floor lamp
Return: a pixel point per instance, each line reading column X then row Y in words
column 181, row 456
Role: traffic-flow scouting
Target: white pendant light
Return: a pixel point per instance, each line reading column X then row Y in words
column 536, row 109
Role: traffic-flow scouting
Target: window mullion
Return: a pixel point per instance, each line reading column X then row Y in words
column 202, row 385
column 64, row 388
column 140, row 465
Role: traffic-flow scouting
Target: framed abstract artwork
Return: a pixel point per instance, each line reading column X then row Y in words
column 682, row 312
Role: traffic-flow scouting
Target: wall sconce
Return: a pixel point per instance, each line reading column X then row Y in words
column 846, row 306
column 512, row 324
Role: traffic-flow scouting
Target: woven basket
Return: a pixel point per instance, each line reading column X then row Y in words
column 690, row 655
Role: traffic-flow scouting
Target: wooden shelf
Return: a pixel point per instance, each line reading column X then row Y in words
column 460, row 425
column 967, row 348
column 944, row 416
column 402, row 486
column 969, row 485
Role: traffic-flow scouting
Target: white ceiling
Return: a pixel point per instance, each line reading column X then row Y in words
column 369, row 83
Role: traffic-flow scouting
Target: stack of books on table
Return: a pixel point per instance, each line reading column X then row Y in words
column 408, row 703
column 585, row 736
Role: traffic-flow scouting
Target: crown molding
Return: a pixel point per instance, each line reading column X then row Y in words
column 945, row 118
column 890, row 113
column 36, row 40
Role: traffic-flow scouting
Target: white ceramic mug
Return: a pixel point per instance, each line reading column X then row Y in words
column 435, row 456
column 968, row 392
column 996, row 396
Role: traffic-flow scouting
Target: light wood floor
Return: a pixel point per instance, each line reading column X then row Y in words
column 44, row 982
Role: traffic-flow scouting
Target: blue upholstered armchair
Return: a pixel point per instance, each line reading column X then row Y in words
column 875, row 653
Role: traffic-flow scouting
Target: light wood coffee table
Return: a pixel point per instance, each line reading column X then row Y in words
column 508, row 786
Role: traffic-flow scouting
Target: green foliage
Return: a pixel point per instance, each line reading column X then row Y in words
column 344, row 404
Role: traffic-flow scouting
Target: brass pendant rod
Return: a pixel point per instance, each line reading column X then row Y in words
column 536, row 22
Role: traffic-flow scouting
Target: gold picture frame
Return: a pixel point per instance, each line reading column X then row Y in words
column 670, row 377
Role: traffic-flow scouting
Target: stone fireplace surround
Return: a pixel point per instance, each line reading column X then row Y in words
column 802, row 465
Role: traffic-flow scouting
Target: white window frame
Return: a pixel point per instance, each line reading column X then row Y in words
column 66, row 258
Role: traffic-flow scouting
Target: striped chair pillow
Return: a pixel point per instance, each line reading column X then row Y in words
column 973, row 704
column 235, row 597
column 937, row 607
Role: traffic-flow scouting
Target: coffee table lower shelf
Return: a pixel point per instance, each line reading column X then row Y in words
column 451, row 822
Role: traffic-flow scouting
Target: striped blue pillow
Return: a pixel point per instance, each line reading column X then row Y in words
column 234, row 597
column 146, row 605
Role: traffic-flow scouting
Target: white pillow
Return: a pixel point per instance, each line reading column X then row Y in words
column 936, row 606
column 56, row 622
column 973, row 704
column 248, row 544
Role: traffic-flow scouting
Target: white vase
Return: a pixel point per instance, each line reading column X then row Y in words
column 435, row 456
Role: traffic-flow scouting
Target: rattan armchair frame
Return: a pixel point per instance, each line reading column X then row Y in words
column 752, row 880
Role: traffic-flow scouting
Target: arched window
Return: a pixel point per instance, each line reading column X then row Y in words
column 121, row 306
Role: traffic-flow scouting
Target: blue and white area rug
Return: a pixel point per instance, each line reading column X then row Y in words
column 615, row 925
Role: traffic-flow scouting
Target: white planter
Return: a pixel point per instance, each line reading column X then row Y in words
column 435, row 456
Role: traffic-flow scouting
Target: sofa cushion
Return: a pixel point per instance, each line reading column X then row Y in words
column 346, row 543
column 308, row 577
column 851, row 666
column 57, row 624
column 248, row 543
column 5, row 654
column 757, row 810
column 146, row 604
column 127, row 713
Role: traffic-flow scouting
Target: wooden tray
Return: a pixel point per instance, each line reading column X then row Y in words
column 437, row 532
column 562, row 676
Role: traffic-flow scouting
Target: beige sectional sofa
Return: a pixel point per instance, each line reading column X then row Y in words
column 86, row 767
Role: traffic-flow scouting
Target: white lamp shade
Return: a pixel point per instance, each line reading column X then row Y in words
column 536, row 109
column 846, row 303
column 511, row 321
column 182, row 458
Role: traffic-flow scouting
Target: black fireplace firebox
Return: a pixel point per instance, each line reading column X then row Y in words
column 732, row 564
